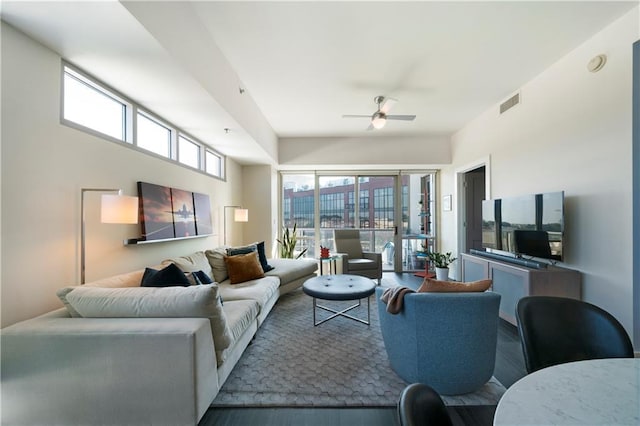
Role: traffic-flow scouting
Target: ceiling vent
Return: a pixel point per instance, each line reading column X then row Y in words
column 510, row 103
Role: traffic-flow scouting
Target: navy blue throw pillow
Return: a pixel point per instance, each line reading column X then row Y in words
column 263, row 258
column 201, row 277
column 171, row 276
column 234, row 251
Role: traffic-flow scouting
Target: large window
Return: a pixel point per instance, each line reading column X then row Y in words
column 388, row 210
column 298, row 207
column 91, row 106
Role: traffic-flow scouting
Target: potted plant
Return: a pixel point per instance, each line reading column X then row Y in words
column 441, row 262
column 288, row 243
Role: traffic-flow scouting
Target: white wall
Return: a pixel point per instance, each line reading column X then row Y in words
column 44, row 165
column 424, row 152
column 171, row 24
column 260, row 198
column 572, row 132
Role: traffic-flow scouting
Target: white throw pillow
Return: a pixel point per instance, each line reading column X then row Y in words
column 192, row 263
column 200, row 301
column 218, row 266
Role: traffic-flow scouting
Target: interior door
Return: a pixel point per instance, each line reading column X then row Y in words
column 474, row 194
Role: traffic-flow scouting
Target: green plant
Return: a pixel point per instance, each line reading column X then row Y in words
column 440, row 260
column 288, row 243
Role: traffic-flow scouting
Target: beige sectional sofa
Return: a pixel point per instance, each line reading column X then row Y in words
column 121, row 354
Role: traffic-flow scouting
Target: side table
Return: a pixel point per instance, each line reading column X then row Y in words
column 332, row 263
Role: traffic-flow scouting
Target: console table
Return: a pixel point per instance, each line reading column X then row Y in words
column 514, row 282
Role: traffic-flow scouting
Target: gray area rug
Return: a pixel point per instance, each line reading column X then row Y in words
column 340, row 363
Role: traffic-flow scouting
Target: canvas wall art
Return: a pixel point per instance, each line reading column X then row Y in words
column 202, row 210
column 168, row 213
column 184, row 223
column 156, row 211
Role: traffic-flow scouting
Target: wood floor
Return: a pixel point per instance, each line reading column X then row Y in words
column 509, row 368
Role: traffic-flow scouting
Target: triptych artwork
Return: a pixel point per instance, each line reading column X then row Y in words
column 173, row 213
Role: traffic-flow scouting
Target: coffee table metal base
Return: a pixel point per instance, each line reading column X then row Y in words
column 341, row 287
column 342, row 313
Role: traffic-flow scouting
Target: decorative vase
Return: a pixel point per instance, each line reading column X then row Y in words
column 324, row 252
column 442, row 274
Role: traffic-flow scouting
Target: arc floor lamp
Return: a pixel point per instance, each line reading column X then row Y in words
column 114, row 208
column 239, row 215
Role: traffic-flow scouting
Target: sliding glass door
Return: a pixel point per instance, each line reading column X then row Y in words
column 417, row 234
column 386, row 208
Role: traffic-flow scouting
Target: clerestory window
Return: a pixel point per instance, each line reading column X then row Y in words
column 91, row 106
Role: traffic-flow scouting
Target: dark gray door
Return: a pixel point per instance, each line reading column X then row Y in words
column 474, row 194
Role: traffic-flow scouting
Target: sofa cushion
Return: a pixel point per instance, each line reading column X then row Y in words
column 129, row 279
column 218, row 266
column 361, row 264
column 170, row 276
column 241, row 314
column 288, row 270
column 434, row 286
column 62, row 295
column 261, row 290
column 243, row 267
column 194, row 262
column 143, row 302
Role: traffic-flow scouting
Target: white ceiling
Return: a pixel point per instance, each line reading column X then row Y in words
column 304, row 64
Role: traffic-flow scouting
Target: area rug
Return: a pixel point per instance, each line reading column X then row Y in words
column 340, row 363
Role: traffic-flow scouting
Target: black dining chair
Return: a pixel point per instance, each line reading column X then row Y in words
column 420, row 405
column 555, row 330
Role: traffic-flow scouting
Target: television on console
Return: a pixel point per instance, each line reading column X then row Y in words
column 527, row 226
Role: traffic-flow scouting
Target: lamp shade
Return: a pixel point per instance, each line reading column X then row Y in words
column 241, row 215
column 119, row 209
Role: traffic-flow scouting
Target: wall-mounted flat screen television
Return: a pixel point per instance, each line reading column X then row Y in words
column 525, row 226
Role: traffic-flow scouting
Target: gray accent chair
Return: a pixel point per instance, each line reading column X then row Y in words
column 354, row 260
column 444, row 340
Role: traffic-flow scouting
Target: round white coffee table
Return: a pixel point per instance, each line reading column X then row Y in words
column 339, row 287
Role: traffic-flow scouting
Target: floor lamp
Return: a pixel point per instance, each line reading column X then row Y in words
column 114, row 208
column 239, row 215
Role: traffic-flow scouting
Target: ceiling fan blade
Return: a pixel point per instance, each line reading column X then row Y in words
column 356, row 116
column 370, row 127
column 401, row 117
column 387, row 105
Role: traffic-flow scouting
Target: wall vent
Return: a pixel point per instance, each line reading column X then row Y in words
column 510, row 103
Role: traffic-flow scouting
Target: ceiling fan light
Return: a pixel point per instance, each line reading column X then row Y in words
column 378, row 121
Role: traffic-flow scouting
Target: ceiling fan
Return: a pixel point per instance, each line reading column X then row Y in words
column 380, row 117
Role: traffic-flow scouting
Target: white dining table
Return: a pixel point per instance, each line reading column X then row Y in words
column 594, row 392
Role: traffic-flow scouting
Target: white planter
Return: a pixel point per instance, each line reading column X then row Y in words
column 442, row 274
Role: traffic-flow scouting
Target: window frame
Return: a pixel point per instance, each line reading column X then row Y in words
column 200, row 147
column 103, row 89
column 155, row 119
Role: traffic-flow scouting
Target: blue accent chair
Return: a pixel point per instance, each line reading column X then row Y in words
column 444, row 340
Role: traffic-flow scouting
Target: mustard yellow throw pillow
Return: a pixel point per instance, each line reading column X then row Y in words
column 435, row 286
column 243, row 267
